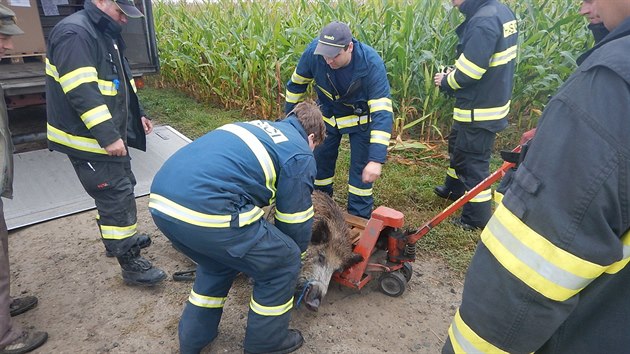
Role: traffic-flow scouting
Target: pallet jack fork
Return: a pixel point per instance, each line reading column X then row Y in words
column 384, row 229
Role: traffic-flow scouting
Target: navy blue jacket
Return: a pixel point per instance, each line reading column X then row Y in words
column 223, row 179
column 366, row 105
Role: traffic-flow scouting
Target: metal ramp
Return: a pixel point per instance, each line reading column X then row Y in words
column 46, row 187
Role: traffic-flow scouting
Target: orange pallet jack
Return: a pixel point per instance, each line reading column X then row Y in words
column 383, row 231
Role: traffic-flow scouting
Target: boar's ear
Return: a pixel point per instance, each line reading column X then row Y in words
column 321, row 233
column 356, row 258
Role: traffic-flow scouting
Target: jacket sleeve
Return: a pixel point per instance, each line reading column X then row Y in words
column 561, row 229
column 381, row 113
column 298, row 84
column 73, row 65
column 479, row 45
column 294, row 206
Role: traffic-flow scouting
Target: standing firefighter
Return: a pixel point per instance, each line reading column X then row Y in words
column 352, row 89
column 93, row 114
column 551, row 273
column 482, row 83
column 207, row 200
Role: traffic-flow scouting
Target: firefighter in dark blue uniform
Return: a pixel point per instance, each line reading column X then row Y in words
column 481, row 82
column 352, row 89
column 208, row 198
column 551, row 273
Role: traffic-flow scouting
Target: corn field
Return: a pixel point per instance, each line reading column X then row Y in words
column 240, row 54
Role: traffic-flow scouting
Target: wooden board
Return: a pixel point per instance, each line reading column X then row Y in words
column 32, row 41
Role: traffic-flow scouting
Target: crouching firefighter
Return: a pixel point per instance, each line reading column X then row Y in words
column 93, row 115
column 208, row 199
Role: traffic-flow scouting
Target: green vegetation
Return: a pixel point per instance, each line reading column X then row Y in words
column 240, row 54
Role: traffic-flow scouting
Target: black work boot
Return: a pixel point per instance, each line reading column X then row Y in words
column 446, row 193
column 137, row 270
column 143, row 241
column 291, row 343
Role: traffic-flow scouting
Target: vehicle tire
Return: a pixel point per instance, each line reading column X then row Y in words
column 393, row 284
column 407, row 271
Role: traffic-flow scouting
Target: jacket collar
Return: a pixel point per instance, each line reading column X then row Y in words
column 101, row 20
column 622, row 30
column 293, row 120
column 470, row 7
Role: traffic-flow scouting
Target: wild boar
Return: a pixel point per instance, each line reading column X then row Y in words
column 330, row 250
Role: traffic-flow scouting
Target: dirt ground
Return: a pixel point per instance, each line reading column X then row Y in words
column 86, row 308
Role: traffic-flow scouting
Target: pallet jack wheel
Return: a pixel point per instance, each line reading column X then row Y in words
column 393, row 284
column 407, row 271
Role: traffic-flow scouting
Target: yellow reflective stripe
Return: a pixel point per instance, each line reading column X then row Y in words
column 303, row 256
column 73, row 141
column 451, row 173
column 324, row 182
column 381, row 104
column 328, row 94
column 450, row 79
column 193, row 217
column 300, row 80
column 481, row 114
column 617, row 266
column 95, row 116
column 51, row 70
column 483, row 196
column 380, row 137
column 270, row 310
column 109, row 232
column 465, row 340
column 209, row 302
column 504, row 57
column 543, row 266
column 509, row 28
column 293, row 97
column 295, row 218
column 107, row 88
column 498, row 197
column 258, row 149
column 330, row 121
column 350, row 121
column 359, row 191
column 77, row 77
column 469, row 68
column 133, row 85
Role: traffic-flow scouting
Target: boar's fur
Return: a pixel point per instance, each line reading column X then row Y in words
column 330, row 250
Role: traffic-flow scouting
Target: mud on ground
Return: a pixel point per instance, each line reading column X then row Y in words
column 86, row 308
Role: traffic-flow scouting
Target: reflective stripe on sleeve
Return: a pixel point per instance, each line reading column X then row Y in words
column 209, row 302
column 293, row 97
column 450, row 79
column 380, row 104
column 469, row 68
column 95, row 116
column 77, row 77
column 380, row 137
column 543, row 266
column 271, row 310
column 300, row 80
column 504, row 57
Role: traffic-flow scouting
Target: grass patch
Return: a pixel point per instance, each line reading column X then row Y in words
column 406, row 183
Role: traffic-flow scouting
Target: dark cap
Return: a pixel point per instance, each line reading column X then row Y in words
column 128, row 8
column 333, row 38
column 7, row 22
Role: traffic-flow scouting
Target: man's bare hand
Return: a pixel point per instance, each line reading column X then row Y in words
column 437, row 79
column 371, row 172
column 147, row 125
column 117, row 148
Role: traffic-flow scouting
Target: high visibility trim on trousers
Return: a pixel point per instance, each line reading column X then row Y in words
column 380, row 104
column 469, row 68
column 209, row 302
column 504, row 57
column 617, row 266
column 380, row 137
column 483, row 196
column 96, row 116
column 271, row 310
column 465, row 340
column 73, row 141
column 293, row 97
column 299, row 79
column 324, row 182
column 262, row 155
column 110, row 232
column 451, row 173
column 359, row 191
column 193, row 217
column 295, row 218
column 481, row 114
column 543, row 266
